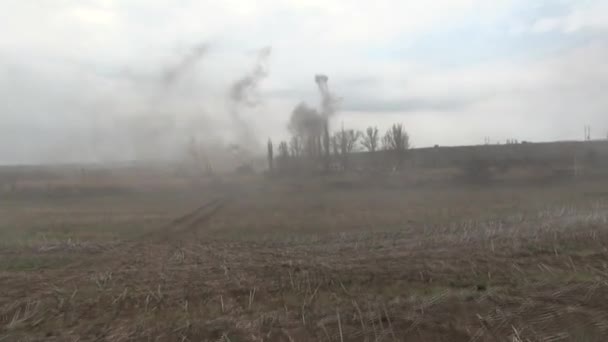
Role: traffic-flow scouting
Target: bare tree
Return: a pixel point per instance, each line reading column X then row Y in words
column 344, row 142
column 397, row 141
column 396, row 138
column 295, row 146
column 350, row 140
column 307, row 125
column 199, row 157
column 283, row 157
column 283, row 150
column 270, row 156
column 326, row 145
column 335, row 144
column 370, row 139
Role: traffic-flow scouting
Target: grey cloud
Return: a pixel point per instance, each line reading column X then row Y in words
column 405, row 105
column 372, row 100
column 114, row 103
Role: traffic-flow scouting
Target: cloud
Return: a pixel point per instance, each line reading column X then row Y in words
column 406, row 105
column 76, row 77
column 536, row 100
column 589, row 16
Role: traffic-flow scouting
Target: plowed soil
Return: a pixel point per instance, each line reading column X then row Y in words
column 247, row 268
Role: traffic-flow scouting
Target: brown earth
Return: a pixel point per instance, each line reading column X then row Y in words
column 273, row 266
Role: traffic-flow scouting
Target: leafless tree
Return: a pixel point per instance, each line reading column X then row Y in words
column 344, row 142
column 199, row 157
column 351, row 137
column 370, row 139
column 326, row 145
column 283, row 150
column 307, row 125
column 397, row 142
column 295, row 146
column 335, row 145
column 396, row 138
column 283, row 157
column 270, row 156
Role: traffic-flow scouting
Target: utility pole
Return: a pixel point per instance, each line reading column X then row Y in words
column 587, row 133
column 326, row 109
column 270, row 156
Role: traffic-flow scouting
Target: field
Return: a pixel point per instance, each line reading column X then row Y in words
column 308, row 260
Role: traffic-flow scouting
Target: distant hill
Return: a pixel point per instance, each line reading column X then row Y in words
column 559, row 153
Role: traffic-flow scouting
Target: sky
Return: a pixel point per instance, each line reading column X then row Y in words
column 112, row 80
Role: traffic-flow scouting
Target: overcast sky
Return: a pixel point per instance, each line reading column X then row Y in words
column 100, row 80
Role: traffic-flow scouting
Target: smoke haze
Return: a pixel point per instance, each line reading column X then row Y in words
column 99, row 81
column 244, row 93
column 245, row 90
column 170, row 75
column 305, row 121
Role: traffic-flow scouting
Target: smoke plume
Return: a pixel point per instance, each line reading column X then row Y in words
column 305, row 121
column 244, row 94
column 244, row 90
column 307, row 127
column 311, row 127
column 328, row 101
column 173, row 73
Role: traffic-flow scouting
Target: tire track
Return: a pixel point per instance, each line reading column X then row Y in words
column 189, row 222
column 122, row 255
column 166, row 234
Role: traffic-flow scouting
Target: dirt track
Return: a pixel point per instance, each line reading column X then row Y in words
column 129, row 257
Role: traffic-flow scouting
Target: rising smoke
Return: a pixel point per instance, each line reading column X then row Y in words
column 312, row 126
column 244, row 93
column 149, row 110
column 327, row 99
column 245, row 90
column 173, row 120
column 172, row 74
column 305, row 121
column 163, row 118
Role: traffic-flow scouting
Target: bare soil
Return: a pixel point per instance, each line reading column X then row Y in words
column 268, row 263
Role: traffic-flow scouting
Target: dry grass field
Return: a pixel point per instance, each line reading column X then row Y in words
column 314, row 260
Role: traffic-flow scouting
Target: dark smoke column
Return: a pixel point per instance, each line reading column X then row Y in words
column 326, row 111
column 321, row 81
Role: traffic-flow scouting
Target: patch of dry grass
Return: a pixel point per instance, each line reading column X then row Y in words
column 455, row 264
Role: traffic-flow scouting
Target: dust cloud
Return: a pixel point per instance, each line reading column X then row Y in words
column 172, row 74
column 311, row 126
column 244, row 93
column 305, row 121
column 184, row 115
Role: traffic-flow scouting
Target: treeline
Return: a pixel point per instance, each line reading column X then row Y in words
column 317, row 149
